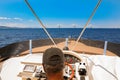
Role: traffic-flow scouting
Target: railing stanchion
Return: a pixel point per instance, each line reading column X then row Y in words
column 105, row 47
column 30, row 46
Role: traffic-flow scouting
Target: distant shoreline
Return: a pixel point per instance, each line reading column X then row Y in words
column 7, row 27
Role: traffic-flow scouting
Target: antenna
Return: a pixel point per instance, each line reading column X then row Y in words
column 40, row 22
column 87, row 24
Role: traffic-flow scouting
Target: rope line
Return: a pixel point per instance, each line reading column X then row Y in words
column 40, row 23
column 86, row 24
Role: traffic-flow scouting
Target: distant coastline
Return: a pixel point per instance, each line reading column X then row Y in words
column 7, row 27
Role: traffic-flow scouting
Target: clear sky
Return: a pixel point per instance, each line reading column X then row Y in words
column 67, row 13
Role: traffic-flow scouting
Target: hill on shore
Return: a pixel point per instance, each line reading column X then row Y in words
column 6, row 27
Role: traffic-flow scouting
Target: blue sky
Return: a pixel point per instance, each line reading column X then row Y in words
column 67, row 13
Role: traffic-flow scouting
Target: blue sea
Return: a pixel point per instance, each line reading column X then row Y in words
column 8, row 36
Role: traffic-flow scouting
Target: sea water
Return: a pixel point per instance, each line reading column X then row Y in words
column 8, row 36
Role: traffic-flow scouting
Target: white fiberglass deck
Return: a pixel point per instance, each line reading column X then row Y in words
column 13, row 66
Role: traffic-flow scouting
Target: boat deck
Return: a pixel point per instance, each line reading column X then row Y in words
column 81, row 48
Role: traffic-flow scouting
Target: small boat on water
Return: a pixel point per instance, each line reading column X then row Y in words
column 25, row 61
